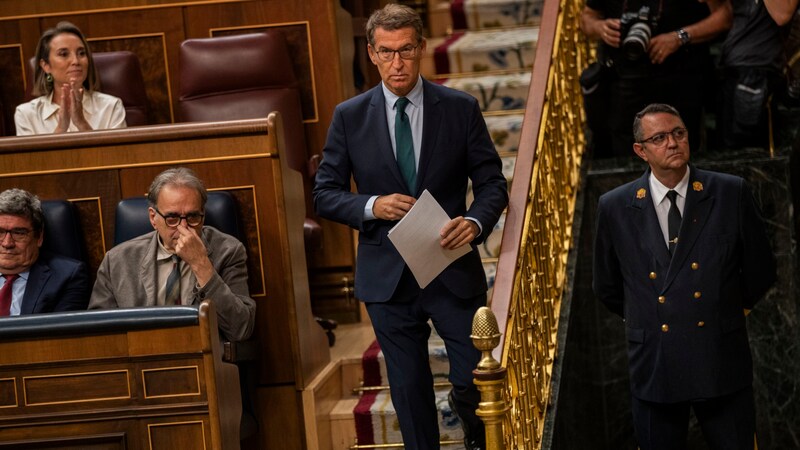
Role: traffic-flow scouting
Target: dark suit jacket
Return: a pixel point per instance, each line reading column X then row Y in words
column 455, row 147
column 684, row 316
column 56, row 283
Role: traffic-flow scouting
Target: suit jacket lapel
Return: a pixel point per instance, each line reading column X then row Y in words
column 37, row 278
column 646, row 220
column 378, row 122
column 431, row 124
column 147, row 273
column 695, row 214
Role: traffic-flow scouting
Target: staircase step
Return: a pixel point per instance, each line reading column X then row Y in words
column 343, row 428
column 375, row 369
column 501, row 92
column 376, row 420
column 492, row 50
column 483, row 14
column 505, row 131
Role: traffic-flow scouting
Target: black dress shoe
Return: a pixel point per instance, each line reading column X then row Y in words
column 474, row 434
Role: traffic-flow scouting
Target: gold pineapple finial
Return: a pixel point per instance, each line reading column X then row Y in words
column 485, row 337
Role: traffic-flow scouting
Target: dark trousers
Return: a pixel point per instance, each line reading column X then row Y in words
column 401, row 326
column 727, row 422
column 744, row 108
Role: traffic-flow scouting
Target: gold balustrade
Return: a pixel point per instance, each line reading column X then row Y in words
column 531, row 270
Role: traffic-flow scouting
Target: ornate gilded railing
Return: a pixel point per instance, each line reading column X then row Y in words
column 531, row 271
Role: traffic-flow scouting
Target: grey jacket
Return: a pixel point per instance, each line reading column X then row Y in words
column 127, row 278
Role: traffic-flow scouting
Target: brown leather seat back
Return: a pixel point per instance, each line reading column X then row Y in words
column 243, row 76
column 121, row 76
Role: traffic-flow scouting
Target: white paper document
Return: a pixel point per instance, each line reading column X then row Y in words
column 417, row 239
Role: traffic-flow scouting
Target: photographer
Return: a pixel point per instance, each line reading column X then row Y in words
column 753, row 59
column 654, row 51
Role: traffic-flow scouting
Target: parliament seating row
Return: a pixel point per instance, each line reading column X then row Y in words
column 139, row 378
column 215, row 85
column 63, row 235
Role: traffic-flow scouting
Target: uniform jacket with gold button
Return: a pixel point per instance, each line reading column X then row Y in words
column 684, row 318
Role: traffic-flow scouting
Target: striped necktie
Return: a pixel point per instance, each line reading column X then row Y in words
column 173, row 296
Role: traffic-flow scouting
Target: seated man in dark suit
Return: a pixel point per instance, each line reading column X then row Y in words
column 181, row 262
column 30, row 281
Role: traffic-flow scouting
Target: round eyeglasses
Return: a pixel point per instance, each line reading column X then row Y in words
column 659, row 139
column 173, row 220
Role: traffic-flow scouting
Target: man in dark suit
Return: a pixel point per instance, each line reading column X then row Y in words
column 681, row 254
column 30, row 281
column 396, row 140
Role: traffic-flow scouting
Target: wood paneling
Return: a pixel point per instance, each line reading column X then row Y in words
column 152, row 54
column 137, row 25
column 13, row 77
column 67, row 401
column 99, row 168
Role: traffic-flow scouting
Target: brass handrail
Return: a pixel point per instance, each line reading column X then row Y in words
column 531, row 270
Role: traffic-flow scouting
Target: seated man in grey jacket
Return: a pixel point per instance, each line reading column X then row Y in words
column 182, row 262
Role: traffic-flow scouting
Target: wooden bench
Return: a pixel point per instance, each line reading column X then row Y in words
column 141, row 378
column 94, row 170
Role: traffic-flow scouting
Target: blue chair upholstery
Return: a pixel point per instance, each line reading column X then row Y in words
column 132, row 218
column 62, row 230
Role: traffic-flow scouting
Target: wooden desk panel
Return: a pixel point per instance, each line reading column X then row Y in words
column 176, row 394
column 242, row 157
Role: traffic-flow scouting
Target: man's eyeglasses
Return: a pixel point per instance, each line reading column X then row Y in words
column 17, row 234
column 679, row 134
column 407, row 52
column 173, row 220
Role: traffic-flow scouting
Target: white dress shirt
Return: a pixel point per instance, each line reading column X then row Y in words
column 662, row 203
column 40, row 115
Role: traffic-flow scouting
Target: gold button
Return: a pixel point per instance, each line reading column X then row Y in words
column 695, row 266
column 665, row 328
column 697, row 294
column 701, row 324
column 661, row 299
column 652, row 275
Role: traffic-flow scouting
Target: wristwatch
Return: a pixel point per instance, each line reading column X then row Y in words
column 683, row 36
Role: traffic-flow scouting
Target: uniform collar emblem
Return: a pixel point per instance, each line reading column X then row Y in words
column 697, row 186
column 642, row 193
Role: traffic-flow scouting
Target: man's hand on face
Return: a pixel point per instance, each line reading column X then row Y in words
column 191, row 249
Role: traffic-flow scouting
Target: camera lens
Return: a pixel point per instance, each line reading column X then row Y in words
column 635, row 43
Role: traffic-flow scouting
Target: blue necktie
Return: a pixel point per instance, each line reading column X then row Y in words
column 405, row 145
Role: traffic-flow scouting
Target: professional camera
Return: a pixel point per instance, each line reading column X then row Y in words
column 636, row 29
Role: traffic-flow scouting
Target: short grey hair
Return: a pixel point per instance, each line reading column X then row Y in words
column 21, row 203
column 393, row 17
column 652, row 108
column 178, row 176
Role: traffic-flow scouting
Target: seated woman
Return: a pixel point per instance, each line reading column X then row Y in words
column 66, row 85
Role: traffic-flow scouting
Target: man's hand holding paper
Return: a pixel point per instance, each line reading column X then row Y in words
column 458, row 232
column 428, row 240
